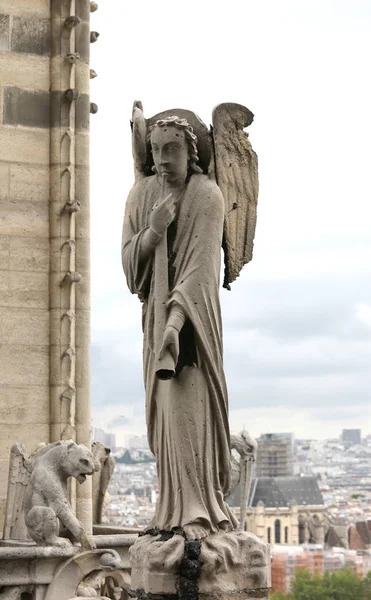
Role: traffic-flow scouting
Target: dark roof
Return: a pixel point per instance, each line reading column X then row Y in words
column 281, row 491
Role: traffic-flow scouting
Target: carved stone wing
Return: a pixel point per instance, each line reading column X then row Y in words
column 139, row 140
column 236, row 171
column 20, row 469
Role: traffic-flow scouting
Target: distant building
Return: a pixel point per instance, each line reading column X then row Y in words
column 137, row 442
column 351, row 437
column 284, row 510
column 275, row 455
column 108, row 439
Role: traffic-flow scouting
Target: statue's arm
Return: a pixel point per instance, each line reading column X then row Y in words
column 148, row 242
column 138, row 243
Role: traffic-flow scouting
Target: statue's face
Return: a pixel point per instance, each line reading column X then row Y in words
column 170, row 153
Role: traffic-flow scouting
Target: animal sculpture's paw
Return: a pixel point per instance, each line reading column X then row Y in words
column 60, row 541
column 87, row 543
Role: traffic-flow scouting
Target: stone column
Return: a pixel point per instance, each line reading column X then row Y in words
column 24, row 227
column 44, row 229
column 294, row 529
column 69, row 234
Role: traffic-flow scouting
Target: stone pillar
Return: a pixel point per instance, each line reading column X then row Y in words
column 294, row 528
column 24, row 227
column 69, row 233
column 44, row 229
column 260, row 520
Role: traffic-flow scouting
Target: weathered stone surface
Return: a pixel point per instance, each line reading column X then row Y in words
column 24, row 146
column 60, row 109
column 27, row 219
column 29, row 254
column 41, row 8
column 83, row 9
column 24, row 289
column 51, row 467
column 30, row 404
column 28, row 183
column 4, row 32
column 4, row 181
column 27, row 108
column 83, row 40
column 60, row 8
column 21, row 327
column 25, row 71
column 31, row 35
column 4, row 253
column 101, row 479
column 62, row 75
column 32, row 361
column 35, row 433
column 229, row 563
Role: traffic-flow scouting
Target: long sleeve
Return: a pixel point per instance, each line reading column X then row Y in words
column 138, row 242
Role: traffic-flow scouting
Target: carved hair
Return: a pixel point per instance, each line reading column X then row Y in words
column 190, row 137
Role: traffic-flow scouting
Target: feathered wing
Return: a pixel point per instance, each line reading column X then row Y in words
column 20, row 469
column 139, row 140
column 236, row 171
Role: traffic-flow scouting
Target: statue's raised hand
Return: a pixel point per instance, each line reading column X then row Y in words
column 163, row 213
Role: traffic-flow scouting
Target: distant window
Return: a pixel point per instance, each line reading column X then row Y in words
column 286, row 535
column 277, row 531
column 269, row 535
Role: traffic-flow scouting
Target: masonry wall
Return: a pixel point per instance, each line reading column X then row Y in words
column 24, row 227
column 44, row 229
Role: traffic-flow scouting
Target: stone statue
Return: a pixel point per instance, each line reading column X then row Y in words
column 241, row 470
column 37, row 494
column 172, row 236
column 187, row 202
column 105, row 465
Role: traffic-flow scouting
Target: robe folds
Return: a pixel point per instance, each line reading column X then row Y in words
column 187, row 416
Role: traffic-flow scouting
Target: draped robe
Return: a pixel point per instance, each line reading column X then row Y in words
column 187, row 416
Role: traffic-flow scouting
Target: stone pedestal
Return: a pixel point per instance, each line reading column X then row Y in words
column 220, row 565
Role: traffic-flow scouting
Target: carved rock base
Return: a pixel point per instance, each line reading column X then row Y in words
column 219, row 565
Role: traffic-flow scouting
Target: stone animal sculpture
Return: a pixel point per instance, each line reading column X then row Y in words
column 37, row 493
column 241, row 470
column 46, row 495
column 101, row 478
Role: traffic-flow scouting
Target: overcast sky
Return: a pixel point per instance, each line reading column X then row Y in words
column 297, row 323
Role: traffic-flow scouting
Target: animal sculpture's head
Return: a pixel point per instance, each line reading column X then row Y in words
column 78, row 461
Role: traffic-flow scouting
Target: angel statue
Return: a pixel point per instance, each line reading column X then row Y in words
column 195, row 192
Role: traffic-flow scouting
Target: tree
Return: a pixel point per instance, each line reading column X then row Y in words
column 344, row 585
column 367, row 587
column 337, row 585
column 309, row 587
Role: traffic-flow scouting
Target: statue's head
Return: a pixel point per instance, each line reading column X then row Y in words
column 174, row 148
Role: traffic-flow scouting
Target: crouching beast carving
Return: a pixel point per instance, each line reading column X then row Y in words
column 37, row 493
